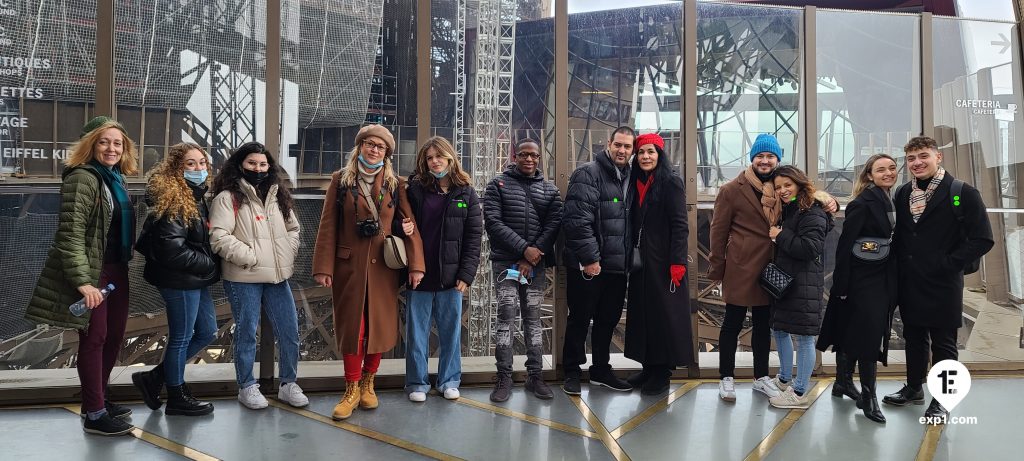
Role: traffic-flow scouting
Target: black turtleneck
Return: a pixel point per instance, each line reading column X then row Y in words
column 923, row 183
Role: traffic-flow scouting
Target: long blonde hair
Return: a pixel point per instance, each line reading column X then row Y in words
column 172, row 197
column 350, row 173
column 864, row 177
column 456, row 175
column 83, row 151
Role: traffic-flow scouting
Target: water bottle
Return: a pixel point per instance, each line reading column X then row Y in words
column 78, row 308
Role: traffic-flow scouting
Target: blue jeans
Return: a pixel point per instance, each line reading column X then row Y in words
column 804, row 358
column 191, row 326
column 277, row 301
column 446, row 309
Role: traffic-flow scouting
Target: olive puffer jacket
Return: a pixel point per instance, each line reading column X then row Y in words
column 257, row 244
column 76, row 256
column 520, row 212
column 799, row 252
column 179, row 257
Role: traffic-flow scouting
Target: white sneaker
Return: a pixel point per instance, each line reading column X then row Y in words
column 417, row 396
column 727, row 389
column 781, row 385
column 291, row 394
column 765, row 385
column 789, row 399
column 252, row 398
column 451, row 393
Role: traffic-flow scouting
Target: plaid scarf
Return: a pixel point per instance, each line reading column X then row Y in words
column 919, row 198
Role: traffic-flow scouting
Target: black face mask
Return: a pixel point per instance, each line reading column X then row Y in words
column 253, row 177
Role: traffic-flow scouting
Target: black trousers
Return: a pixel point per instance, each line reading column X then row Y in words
column 729, row 336
column 942, row 342
column 601, row 300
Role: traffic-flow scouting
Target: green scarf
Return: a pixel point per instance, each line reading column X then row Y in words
column 114, row 180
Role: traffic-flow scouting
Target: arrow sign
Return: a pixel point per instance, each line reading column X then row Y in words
column 1005, row 43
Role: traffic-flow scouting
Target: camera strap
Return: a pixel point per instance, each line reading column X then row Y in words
column 374, row 207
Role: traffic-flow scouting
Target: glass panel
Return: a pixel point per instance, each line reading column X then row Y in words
column 998, row 10
column 748, row 82
column 868, row 91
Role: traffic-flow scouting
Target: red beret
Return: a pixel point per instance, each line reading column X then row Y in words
column 650, row 138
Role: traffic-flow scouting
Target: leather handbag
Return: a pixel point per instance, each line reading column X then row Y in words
column 394, row 252
column 775, row 280
column 637, row 264
column 872, row 249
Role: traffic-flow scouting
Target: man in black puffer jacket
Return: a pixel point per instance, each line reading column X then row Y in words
column 522, row 214
column 597, row 250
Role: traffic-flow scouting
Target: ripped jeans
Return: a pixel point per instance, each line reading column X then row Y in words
column 511, row 296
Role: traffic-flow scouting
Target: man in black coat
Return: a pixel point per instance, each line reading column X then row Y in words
column 934, row 246
column 522, row 214
column 597, row 244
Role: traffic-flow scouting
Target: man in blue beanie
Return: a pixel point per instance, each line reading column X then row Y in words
column 745, row 209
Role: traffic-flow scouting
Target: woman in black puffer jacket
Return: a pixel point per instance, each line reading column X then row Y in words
column 799, row 248
column 176, row 243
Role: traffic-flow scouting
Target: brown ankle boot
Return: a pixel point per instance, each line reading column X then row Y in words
column 367, row 397
column 348, row 401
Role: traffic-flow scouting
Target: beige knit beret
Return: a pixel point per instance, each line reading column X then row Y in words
column 378, row 131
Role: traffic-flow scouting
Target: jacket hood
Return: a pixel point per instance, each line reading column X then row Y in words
column 513, row 171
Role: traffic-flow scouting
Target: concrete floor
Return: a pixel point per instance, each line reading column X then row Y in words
column 690, row 422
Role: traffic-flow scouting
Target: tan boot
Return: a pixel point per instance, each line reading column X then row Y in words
column 348, row 401
column 367, row 397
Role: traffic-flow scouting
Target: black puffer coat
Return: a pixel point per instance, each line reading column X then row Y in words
column 461, row 231
column 179, row 257
column 596, row 217
column 521, row 212
column 800, row 253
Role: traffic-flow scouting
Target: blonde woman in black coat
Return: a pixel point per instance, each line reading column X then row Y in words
column 858, row 318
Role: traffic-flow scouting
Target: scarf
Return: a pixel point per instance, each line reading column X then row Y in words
column 365, row 181
column 114, row 180
column 769, row 202
column 919, row 198
column 642, row 187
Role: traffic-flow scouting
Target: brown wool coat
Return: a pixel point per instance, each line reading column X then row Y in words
column 357, row 266
column 740, row 246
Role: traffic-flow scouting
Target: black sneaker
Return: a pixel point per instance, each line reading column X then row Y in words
column 114, row 410
column 502, row 388
column 905, row 396
column 605, row 377
column 571, row 385
column 539, row 388
column 107, row 425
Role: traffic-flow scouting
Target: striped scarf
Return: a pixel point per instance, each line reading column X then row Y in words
column 919, row 198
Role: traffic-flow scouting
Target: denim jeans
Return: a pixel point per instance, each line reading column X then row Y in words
column 277, row 301
column 804, row 358
column 445, row 307
column 513, row 296
column 191, row 326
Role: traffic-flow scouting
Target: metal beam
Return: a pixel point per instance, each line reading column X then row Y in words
column 105, row 103
column 562, row 152
column 927, row 81
column 688, row 131
column 809, row 89
column 423, row 73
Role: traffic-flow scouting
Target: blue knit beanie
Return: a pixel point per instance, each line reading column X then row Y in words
column 766, row 143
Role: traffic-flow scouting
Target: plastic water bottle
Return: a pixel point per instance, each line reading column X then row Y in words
column 79, row 308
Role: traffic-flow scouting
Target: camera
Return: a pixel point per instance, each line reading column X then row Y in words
column 368, row 227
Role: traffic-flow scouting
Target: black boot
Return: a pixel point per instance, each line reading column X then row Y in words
column 658, row 382
column 181, row 402
column 868, row 398
column 639, row 378
column 149, row 384
column 844, row 378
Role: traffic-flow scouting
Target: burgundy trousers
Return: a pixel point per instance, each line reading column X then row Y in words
column 99, row 346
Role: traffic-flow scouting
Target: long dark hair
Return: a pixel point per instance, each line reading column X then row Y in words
column 662, row 172
column 805, row 196
column 231, row 174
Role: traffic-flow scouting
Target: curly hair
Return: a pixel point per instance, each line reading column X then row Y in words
column 805, row 196
column 231, row 173
column 170, row 195
column 443, row 148
column 84, row 150
column 919, row 143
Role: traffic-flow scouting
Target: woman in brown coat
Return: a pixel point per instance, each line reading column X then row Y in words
column 365, row 202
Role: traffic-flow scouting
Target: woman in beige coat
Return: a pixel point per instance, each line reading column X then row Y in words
column 365, row 202
column 254, row 231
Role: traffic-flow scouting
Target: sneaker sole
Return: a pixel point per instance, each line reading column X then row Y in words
column 567, row 391
column 620, row 389
column 790, row 407
column 499, row 400
column 766, row 393
column 294, row 405
column 109, row 434
column 541, row 396
column 124, row 417
column 727, row 398
column 254, row 407
column 205, row 412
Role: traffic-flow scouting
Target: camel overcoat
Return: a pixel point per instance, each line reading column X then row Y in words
column 356, row 264
column 740, row 245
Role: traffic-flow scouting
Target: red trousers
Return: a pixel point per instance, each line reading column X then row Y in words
column 360, row 362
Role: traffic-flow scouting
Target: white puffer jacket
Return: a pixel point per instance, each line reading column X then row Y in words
column 256, row 243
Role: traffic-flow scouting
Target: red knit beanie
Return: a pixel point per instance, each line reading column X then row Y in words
column 650, row 138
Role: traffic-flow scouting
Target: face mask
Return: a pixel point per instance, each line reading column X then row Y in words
column 514, row 275
column 196, row 177
column 254, row 178
column 373, row 166
column 440, row 175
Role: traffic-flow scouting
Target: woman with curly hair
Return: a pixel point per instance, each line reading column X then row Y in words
column 254, row 230
column 92, row 247
column 180, row 263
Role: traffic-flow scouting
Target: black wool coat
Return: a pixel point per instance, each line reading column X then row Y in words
column 658, row 327
column 800, row 253
column 461, row 231
column 859, row 326
column 596, row 216
column 520, row 212
column 933, row 252
column 178, row 256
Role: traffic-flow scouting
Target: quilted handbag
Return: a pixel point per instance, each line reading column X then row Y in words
column 775, row 281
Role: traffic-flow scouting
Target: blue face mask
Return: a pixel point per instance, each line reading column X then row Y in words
column 372, row 166
column 440, row 175
column 514, row 275
column 196, row 177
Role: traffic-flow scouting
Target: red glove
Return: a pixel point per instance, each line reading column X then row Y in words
column 677, row 271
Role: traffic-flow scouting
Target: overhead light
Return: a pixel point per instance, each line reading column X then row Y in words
column 595, row 92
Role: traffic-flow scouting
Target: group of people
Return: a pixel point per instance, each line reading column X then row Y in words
column 624, row 222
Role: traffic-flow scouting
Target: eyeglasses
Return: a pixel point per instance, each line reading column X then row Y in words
column 372, row 145
column 527, row 155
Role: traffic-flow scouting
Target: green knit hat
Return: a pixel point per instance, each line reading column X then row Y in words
column 97, row 122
